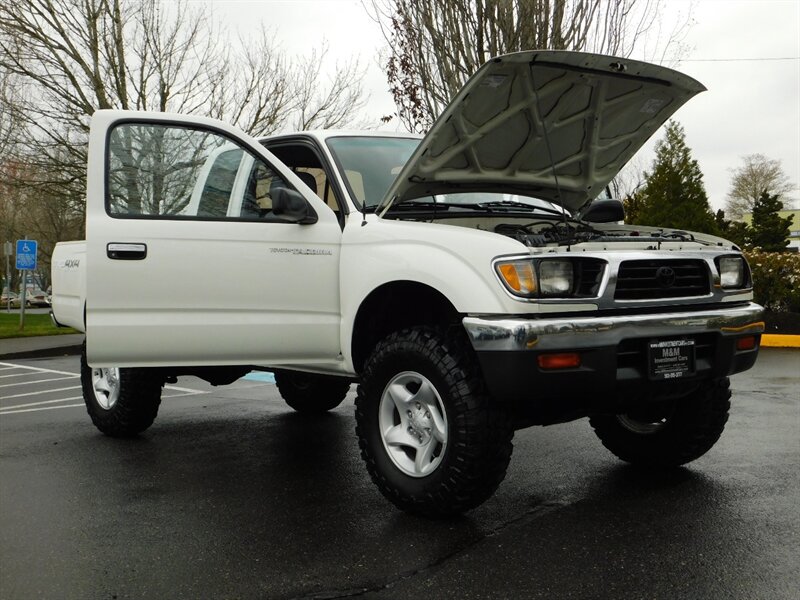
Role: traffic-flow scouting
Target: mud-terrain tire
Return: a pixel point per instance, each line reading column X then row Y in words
column 432, row 440
column 680, row 433
column 310, row 393
column 121, row 402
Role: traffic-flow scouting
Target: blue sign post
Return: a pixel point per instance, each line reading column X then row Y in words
column 26, row 261
column 27, row 255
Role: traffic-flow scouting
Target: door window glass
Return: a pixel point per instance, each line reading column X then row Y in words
column 218, row 187
column 175, row 172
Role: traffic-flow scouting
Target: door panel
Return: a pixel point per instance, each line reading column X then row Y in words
column 217, row 278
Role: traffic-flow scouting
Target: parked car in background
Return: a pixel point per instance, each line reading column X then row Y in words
column 5, row 296
column 33, row 299
column 37, row 298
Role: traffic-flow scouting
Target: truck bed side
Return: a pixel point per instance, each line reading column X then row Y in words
column 68, row 275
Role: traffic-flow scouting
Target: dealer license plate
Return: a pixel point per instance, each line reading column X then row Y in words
column 671, row 359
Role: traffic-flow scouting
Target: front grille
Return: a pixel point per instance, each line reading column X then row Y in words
column 588, row 275
column 653, row 279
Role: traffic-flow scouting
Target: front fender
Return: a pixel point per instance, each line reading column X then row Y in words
column 455, row 261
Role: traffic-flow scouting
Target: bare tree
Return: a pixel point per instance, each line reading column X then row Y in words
column 8, row 99
column 76, row 56
column 27, row 213
column 435, row 45
column 321, row 107
column 757, row 175
column 629, row 180
column 60, row 60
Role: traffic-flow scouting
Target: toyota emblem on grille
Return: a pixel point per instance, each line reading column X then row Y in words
column 665, row 277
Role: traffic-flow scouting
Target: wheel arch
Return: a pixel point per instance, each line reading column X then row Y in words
column 393, row 306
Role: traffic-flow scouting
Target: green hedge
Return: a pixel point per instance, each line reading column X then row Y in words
column 776, row 279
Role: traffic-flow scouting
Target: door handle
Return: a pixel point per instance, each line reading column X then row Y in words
column 120, row 251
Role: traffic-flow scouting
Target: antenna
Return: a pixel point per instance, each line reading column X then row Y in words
column 364, row 211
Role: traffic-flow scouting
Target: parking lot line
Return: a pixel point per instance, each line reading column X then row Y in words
column 170, row 391
column 15, row 375
column 26, row 410
column 182, row 389
column 37, row 381
column 186, row 393
column 12, row 365
column 73, row 387
column 18, row 408
column 4, row 409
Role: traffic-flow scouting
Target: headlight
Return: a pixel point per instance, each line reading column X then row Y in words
column 555, row 277
column 537, row 278
column 732, row 272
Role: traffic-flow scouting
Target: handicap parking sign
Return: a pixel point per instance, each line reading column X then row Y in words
column 26, row 254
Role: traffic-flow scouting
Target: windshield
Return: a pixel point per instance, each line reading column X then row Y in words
column 370, row 164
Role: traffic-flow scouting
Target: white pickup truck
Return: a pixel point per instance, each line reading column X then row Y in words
column 471, row 281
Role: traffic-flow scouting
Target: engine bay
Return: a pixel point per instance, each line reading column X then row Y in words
column 539, row 234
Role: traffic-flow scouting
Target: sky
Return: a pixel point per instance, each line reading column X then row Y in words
column 746, row 52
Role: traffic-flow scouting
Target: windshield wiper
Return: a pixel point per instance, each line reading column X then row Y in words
column 434, row 206
column 491, row 206
column 515, row 204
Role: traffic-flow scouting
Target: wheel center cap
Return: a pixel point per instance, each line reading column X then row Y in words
column 420, row 423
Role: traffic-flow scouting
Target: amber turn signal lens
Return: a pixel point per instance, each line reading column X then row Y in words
column 570, row 360
column 746, row 343
column 518, row 276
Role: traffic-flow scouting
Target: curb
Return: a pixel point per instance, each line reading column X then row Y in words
column 44, row 352
column 776, row 340
column 41, row 346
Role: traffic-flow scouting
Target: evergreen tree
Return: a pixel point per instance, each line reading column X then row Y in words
column 674, row 195
column 721, row 221
column 633, row 208
column 769, row 231
column 736, row 231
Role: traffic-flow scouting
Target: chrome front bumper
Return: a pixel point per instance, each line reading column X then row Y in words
column 565, row 333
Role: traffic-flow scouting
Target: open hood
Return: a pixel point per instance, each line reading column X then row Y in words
column 590, row 112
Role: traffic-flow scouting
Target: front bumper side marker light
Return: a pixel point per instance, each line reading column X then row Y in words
column 566, row 360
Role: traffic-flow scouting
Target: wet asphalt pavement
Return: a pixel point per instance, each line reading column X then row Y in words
column 232, row 495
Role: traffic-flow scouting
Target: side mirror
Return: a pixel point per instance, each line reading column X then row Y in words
column 291, row 206
column 603, row 210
